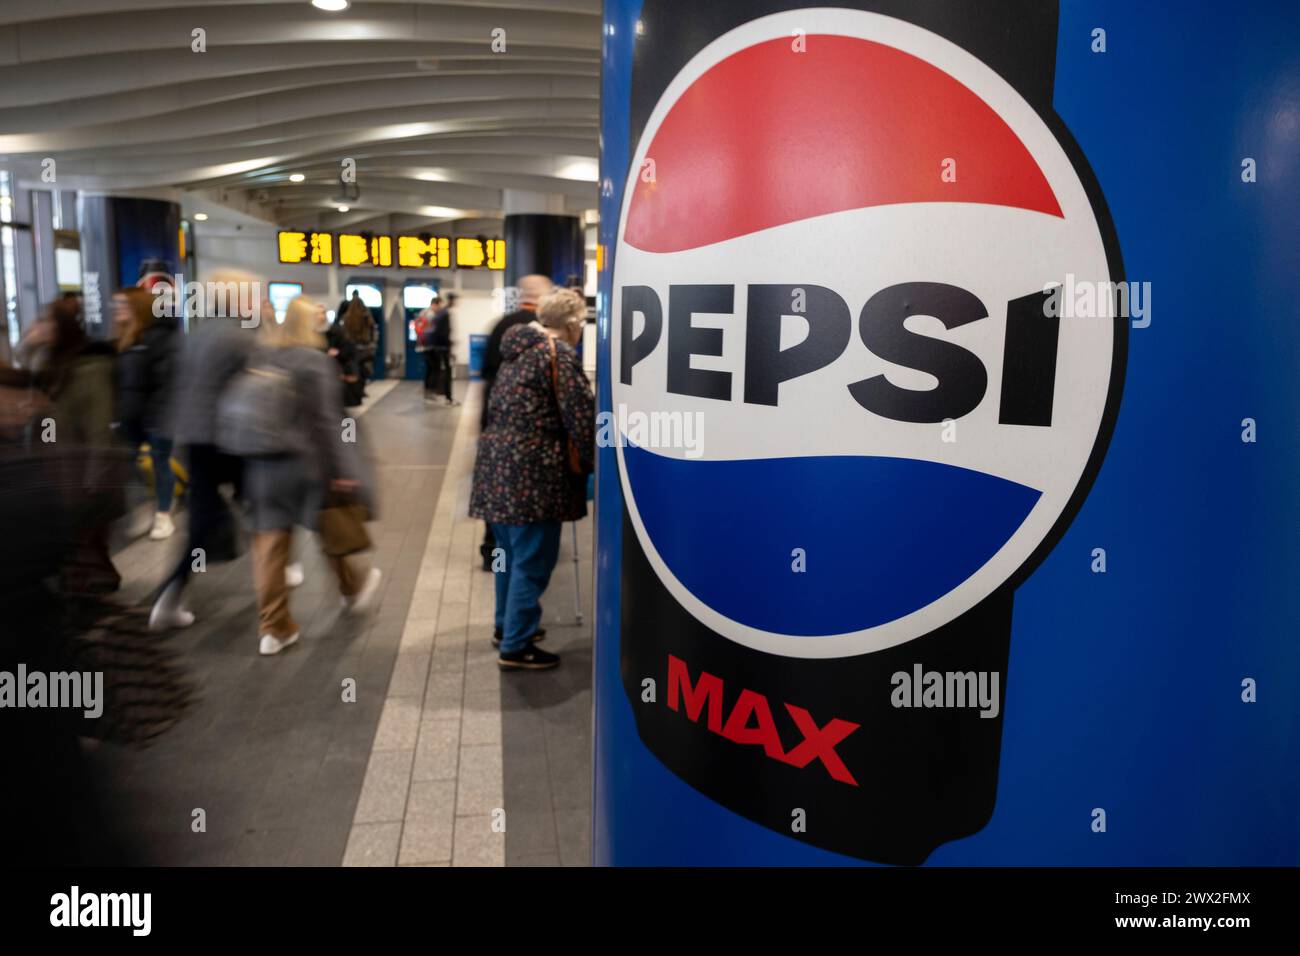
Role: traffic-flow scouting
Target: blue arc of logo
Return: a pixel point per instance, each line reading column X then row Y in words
column 882, row 537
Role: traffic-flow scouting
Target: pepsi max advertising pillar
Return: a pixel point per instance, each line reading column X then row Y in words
column 892, row 565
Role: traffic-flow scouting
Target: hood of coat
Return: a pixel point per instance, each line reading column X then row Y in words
column 520, row 339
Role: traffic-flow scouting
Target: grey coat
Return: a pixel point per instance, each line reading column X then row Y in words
column 288, row 489
column 212, row 355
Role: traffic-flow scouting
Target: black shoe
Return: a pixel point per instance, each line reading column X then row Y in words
column 539, row 635
column 528, row 659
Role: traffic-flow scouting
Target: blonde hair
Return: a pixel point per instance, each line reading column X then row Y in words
column 299, row 328
column 560, row 308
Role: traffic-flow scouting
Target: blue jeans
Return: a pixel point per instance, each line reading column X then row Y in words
column 164, row 482
column 531, row 551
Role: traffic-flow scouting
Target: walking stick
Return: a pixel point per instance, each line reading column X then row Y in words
column 577, row 585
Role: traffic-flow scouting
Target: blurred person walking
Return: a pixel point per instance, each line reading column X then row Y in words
column 147, row 347
column 533, row 459
column 212, row 355
column 294, row 487
column 76, row 373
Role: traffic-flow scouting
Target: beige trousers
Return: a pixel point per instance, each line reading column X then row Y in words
column 270, row 555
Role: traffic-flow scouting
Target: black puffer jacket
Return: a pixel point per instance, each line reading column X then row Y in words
column 144, row 382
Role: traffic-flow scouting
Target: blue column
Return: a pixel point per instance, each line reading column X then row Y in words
column 119, row 235
column 1136, row 627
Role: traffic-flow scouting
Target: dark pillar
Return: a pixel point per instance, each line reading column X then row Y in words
column 118, row 236
column 543, row 243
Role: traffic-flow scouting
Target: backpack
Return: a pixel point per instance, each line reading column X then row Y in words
column 424, row 329
column 256, row 412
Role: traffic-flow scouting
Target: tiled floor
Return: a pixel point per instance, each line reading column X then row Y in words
column 438, row 742
column 471, row 766
column 271, row 753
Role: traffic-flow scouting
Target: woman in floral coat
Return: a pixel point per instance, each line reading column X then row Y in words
column 533, row 460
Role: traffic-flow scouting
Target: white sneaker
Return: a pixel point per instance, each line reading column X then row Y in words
column 293, row 574
column 270, row 644
column 362, row 599
column 162, row 526
column 140, row 525
column 167, row 612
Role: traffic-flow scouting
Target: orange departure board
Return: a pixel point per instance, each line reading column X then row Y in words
column 422, row 251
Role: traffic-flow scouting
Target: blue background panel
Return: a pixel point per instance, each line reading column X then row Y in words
column 1123, row 688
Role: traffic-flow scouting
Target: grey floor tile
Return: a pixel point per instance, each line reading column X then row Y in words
column 263, row 848
column 399, row 724
column 373, row 844
column 438, row 751
column 574, row 829
column 529, row 832
column 479, row 780
column 409, row 674
column 430, row 823
column 383, row 793
column 476, row 843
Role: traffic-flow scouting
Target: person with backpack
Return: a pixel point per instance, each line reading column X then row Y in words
column 293, row 415
column 424, row 346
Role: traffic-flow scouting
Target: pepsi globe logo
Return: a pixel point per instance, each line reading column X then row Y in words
column 834, row 244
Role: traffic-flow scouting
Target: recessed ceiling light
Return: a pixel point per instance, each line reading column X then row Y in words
column 297, row 178
column 344, row 208
column 333, row 6
column 584, row 170
column 200, row 217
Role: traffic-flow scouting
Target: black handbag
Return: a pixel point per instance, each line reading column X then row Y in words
column 229, row 538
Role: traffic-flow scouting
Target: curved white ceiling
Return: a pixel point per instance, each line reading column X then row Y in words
column 436, row 120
